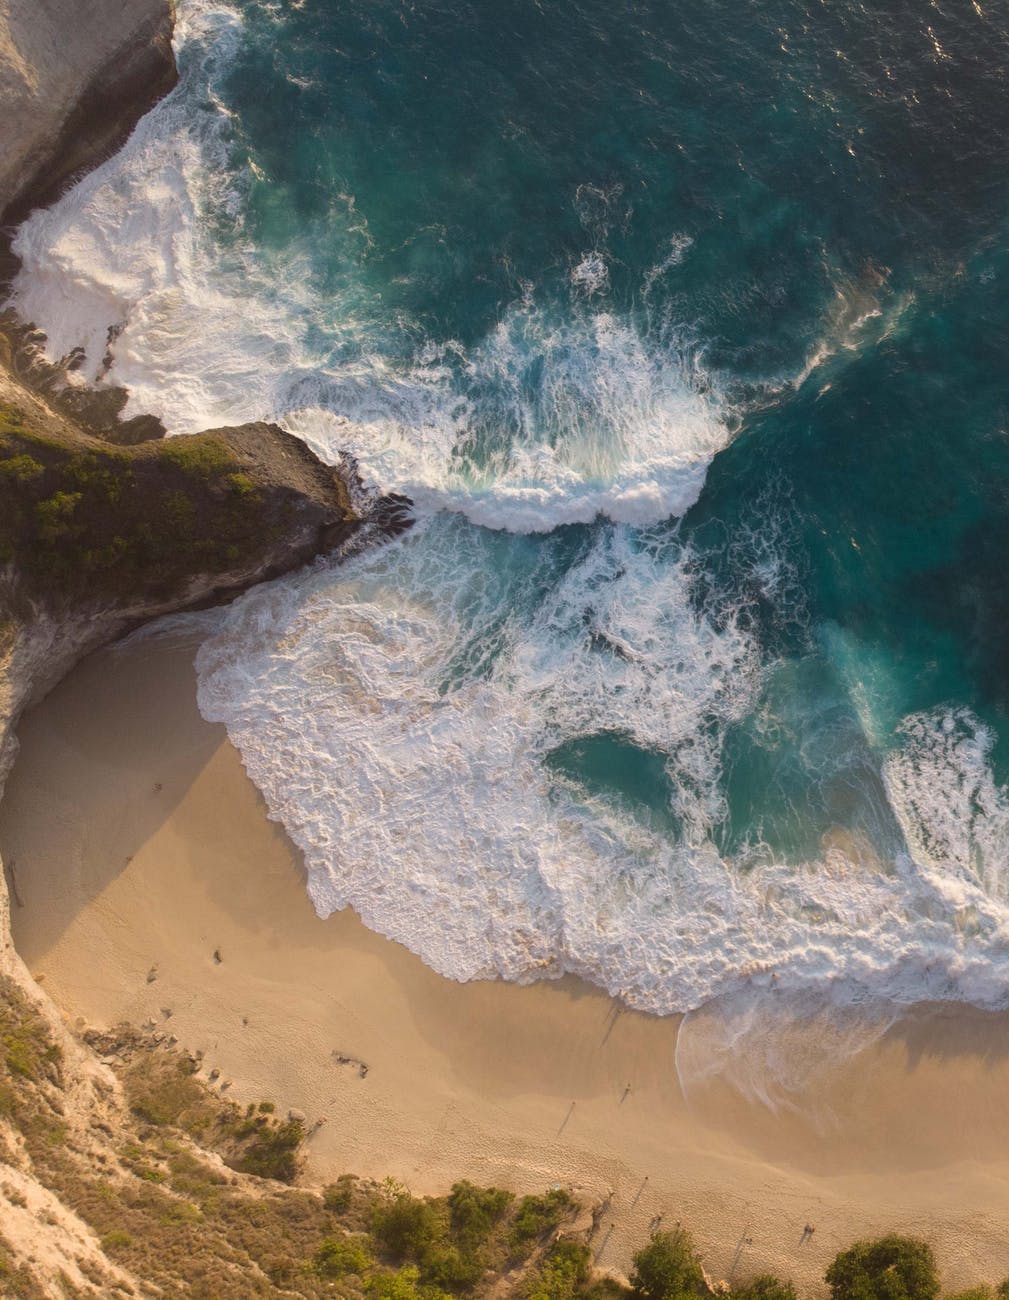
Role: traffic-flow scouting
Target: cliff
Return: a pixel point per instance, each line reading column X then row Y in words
column 75, row 75
column 96, row 538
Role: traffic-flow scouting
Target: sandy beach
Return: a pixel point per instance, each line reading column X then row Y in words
column 149, row 885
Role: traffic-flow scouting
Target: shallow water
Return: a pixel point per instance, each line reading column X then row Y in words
column 685, row 327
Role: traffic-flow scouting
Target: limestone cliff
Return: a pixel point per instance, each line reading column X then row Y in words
column 74, row 77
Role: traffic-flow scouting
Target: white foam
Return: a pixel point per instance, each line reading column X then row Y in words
column 953, row 813
column 214, row 330
column 615, row 428
column 397, row 714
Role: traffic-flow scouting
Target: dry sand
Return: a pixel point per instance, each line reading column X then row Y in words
column 139, row 849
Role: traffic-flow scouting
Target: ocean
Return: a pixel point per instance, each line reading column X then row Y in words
column 685, row 327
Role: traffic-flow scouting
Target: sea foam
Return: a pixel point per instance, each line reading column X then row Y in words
column 398, row 715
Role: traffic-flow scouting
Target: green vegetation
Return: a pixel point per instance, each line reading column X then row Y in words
column 563, row 1273
column 892, row 1268
column 337, row 1197
column 28, row 1051
column 474, row 1213
column 338, row 1257
column 406, row 1228
column 539, row 1214
column 163, row 1090
column 76, row 513
column 765, row 1286
column 452, row 1243
column 668, row 1268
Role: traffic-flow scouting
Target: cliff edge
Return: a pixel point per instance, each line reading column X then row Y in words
column 75, row 75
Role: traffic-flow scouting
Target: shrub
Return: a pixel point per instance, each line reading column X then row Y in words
column 242, row 485
column 605, row 1288
column 475, row 1211
column 336, row 1197
column 765, row 1287
column 404, row 1285
column 562, row 1274
column 336, row 1258
column 447, row 1267
column 892, row 1268
column 166, row 1092
column 407, row 1228
column 20, row 468
column 55, row 513
column 538, row 1214
column 25, row 1046
column 667, row 1268
column 273, row 1152
column 116, row 1240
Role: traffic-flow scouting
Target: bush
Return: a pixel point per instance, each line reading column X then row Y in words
column 242, row 485
column 538, row 1214
column 562, row 1274
column 405, row 1227
column 21, row 468
column 116, row 1240
column 892, row 1268
column 167, row 1092
column 667, row 1268
column 336, row 1197
column 55, row 513
column 449, row 1268
column 765, row 1287
column 475, row 1211
column 336, row 1258
column 605, row 1288
column 404, row 1285
column 273, row 1152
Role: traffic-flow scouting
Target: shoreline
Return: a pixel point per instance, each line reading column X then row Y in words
column 133, row 835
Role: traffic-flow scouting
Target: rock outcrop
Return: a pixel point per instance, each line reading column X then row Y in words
column 96, row 539
column 75, row 75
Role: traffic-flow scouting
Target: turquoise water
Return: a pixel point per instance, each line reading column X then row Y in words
column 685, row 327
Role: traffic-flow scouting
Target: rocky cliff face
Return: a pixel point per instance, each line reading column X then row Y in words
column 75, row 75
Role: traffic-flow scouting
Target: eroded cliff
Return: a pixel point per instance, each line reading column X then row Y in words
column 74, row 77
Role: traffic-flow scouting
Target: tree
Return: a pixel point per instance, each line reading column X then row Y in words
column 764, row 1287
column 892, row 1268
column 407, row 1228
column 404, row 1285
column 562, row 1274
column 667, row 1268
column 474, row 1212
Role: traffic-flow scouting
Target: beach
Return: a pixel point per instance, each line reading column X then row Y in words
column 149, row 886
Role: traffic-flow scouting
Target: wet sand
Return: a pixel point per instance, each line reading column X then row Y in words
column 150, row 886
